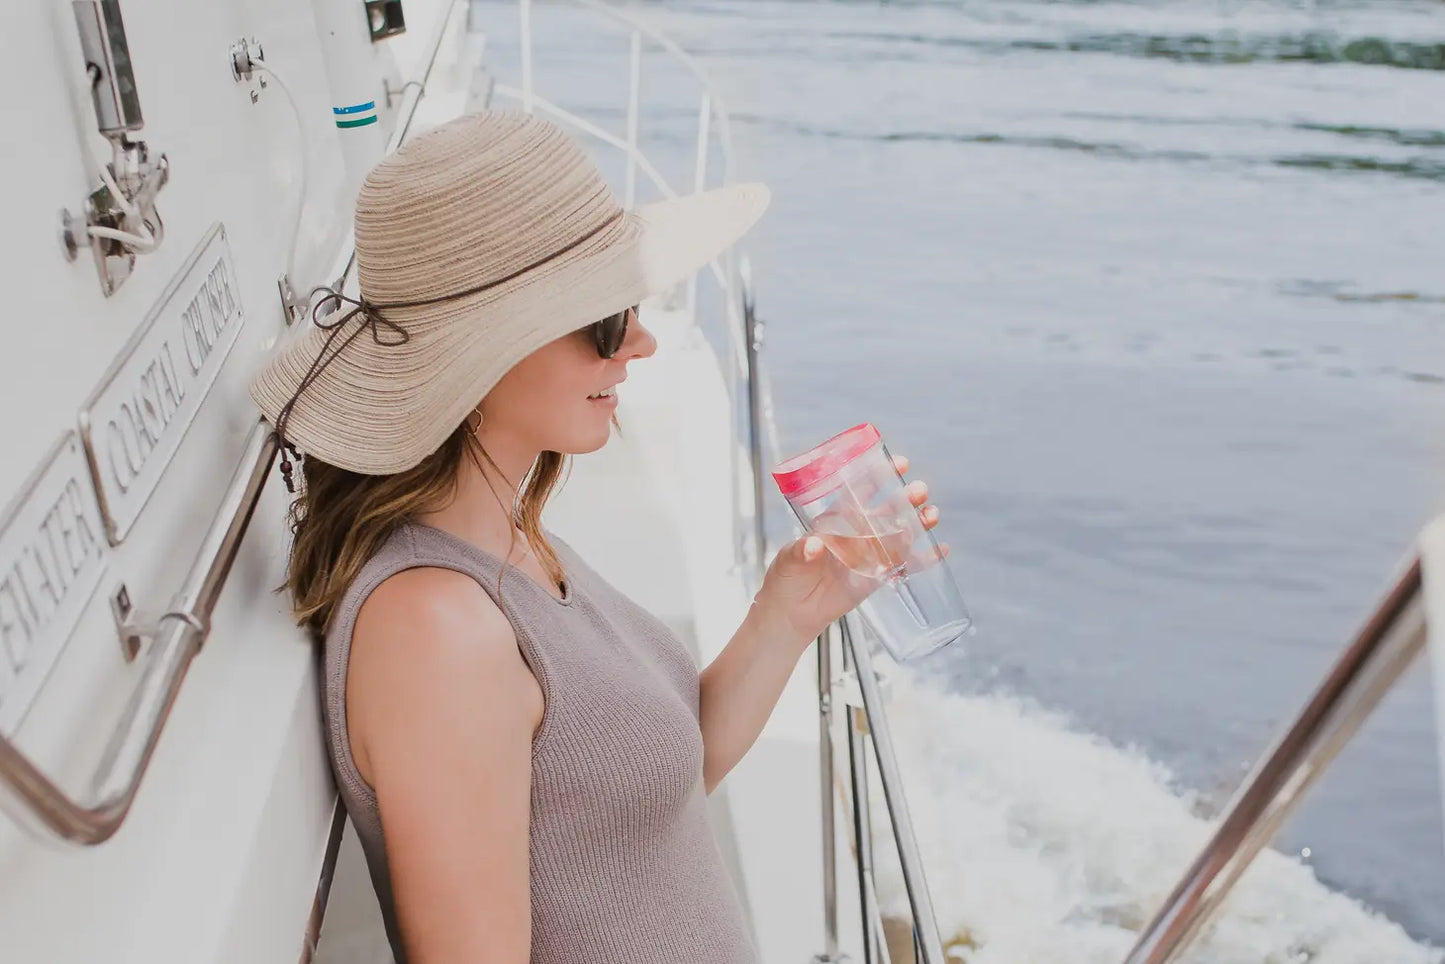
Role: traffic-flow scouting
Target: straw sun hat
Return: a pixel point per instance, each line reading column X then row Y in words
column 476, row 244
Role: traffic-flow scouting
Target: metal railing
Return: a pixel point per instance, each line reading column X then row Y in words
column 742, row 328
column 1385, row 646
column 1373, row 662
column 1390, row 640
column 178, row 635
column 867, row 709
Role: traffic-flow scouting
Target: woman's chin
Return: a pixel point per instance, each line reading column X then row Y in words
column 585, row 443
column 585, row 450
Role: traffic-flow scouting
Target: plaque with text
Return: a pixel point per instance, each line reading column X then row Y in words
column 53, row 553
column 134, row 423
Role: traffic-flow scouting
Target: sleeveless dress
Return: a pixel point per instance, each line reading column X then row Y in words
column 624, row 865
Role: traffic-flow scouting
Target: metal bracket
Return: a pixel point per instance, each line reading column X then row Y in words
column 850, row 692
column 393, row 95
column 244, row 54
column 137, row 626
column 118, row 220
column 133, row 626
column 293, row 306
column 140, row 181
column 847, row 691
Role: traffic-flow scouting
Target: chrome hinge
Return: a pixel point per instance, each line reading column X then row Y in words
column 118, row 220
column 129, row 222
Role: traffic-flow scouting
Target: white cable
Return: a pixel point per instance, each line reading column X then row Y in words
column 140, row 242
column 121, row 200
column 261, row 65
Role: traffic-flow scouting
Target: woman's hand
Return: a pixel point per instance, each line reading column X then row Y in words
column 805, row 590
column 806, row 587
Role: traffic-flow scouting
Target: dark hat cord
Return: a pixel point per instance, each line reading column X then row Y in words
column 383, row 331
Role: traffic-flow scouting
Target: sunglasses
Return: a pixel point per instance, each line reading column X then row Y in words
column 610, row 332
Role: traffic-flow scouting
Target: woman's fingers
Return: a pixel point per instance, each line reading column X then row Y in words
column 918, row 492
column 900, row 462
column 930, row 516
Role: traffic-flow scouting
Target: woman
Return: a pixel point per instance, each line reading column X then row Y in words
column 524, row 752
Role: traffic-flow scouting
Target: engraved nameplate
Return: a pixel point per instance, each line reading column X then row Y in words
column 135, row 421
column 52, row 556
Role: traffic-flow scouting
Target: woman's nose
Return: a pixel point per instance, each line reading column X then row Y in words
column 639, row 343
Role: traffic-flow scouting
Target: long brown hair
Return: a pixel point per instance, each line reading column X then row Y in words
column 341, row 518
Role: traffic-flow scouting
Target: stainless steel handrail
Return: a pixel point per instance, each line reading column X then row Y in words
column 1392, row 637
column 180, row 634
column 182, row 631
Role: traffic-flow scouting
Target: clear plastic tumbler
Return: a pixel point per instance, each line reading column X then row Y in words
column 848, row 493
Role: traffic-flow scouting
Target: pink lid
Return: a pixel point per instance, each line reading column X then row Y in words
column 802, row 472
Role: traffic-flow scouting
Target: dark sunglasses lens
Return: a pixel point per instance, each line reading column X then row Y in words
column 610, row 332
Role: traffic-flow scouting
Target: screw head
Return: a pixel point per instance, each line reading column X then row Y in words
column 70, row 238
column 122, row 600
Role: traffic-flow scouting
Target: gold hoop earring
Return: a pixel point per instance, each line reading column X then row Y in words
column 473, row 428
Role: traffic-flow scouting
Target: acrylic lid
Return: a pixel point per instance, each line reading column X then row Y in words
column 803, row 472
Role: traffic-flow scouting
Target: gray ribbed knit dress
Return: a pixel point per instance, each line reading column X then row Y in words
column 624, row 866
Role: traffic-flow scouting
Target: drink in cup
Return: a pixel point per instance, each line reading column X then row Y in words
column 847, row 492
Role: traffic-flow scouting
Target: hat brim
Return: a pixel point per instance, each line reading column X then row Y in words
column 378, row 409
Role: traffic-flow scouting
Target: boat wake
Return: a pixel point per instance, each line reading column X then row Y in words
column 1043, row 844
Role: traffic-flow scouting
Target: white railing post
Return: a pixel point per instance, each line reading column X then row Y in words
column 699, row 177
column 525, row 19
column 704, row 132
column 634, row 110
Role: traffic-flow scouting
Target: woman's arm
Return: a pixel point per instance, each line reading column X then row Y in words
column 806, row 588
column 741, row 686
column 441, row 710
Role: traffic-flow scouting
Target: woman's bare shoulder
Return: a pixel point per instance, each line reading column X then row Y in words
column 430, row 641
column 448, row 605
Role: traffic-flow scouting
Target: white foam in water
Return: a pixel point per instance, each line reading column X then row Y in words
column 1044, row 845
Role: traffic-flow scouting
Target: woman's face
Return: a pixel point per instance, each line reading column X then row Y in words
column 548, row 401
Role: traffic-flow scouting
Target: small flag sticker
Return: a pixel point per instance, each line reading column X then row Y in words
column 357, row 115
